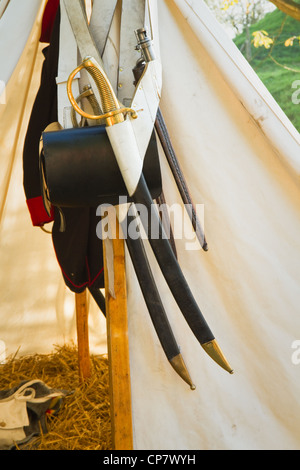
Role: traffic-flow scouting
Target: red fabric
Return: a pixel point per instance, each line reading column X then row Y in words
column 48, row 20
column 38, row 212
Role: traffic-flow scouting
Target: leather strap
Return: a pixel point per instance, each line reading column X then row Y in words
column 67, row 61
column 104, row 11
column 147, row 94
column 78, row 22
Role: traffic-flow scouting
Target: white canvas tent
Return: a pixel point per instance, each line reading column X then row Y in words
column 240, row 156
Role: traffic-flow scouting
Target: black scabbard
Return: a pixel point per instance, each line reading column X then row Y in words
column 170, row 267
column 181, row 184
column 153, row 300
column 149, row 290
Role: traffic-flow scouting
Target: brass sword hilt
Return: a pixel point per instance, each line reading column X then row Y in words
column 113, row 112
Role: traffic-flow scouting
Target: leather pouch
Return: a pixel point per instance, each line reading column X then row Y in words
column 78, row 168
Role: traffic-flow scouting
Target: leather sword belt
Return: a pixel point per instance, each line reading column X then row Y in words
column 78, row 168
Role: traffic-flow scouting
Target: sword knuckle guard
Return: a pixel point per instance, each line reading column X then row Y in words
column 112, row 112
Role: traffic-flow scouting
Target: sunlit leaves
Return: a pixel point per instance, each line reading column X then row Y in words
column 290, row 41
column 262, row 39
column 228, row 3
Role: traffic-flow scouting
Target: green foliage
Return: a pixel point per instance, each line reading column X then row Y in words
column 279, row 65
column 280, row 28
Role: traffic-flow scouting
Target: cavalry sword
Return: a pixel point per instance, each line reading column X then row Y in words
column 130, row 161
column 127, row 154
column 136, row 249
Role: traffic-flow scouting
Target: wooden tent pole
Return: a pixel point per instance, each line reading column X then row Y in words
column 118, row 348
column 117, row 344
column 82, row 311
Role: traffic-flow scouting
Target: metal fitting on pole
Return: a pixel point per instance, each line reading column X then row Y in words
column 145, row 45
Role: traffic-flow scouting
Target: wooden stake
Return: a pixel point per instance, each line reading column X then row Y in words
column 118, row 348
column 84, row 363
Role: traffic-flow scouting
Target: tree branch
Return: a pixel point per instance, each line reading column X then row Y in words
column 289, row 7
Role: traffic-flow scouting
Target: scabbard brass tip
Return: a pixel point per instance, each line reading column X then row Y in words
column 205, row 246
column 214, row 351
column 179, row 366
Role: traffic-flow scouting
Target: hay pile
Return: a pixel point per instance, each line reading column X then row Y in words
column 83, row 421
